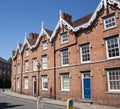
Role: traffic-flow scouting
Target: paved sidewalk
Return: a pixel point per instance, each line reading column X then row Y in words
column 77, row 105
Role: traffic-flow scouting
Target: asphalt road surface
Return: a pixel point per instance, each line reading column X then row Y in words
column 8, row 102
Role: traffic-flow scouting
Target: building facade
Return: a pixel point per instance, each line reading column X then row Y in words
column 5, row 73
column 79, row 59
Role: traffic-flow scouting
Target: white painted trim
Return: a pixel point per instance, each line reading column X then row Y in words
column 67, row 90
column 107, row 50
column 44, row 89
column 62, row 58
column 109, row 90
column 81, row 55
column 112, row 26
column 63, row 22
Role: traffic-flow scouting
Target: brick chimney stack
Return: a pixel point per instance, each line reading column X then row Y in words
column 33, row 36
column 66, row 17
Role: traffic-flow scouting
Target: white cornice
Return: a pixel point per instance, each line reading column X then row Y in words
column 112, row 2
column 62, row 22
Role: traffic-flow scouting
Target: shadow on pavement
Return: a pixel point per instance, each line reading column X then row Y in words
column 4, row 105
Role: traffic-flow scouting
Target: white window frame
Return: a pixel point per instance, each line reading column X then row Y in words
column 108, row 80
column 44, row 45
column 27, row 52
column 64, row 59
column 18, row 83
column 64, row 36
column 81, row 52
column 18, row 68
column 35, row 63
column 44, row 80
column 107, row 19
column 107, row 48
column 44, row 62
column 63, row 80
column 26, row 83
column 26, row 66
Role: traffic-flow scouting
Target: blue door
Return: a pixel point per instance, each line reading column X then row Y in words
column 87, row 88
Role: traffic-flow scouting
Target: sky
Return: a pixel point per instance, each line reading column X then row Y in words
column 18, row 17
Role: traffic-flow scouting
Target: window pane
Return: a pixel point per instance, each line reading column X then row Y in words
column 64, row 38
column 85, row 50
column 110, row 22
column 44, row 62
column 114, row 80
column 64, row 57
column 113, row 48
column 65, row 82
column 44, row 82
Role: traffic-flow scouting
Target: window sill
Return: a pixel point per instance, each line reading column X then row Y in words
column 62, row 43
column 109, row 28
column 113, row 58
column 44, row 89
column 85, row 62
column 65, row 90
column 113, row 92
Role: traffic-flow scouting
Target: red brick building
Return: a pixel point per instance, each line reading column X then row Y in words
column 78, row 59
column 5, row 73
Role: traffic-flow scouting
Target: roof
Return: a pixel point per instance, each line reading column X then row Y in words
column 82, row 20
column 31, row 41
column 49, row 32
column 4, row 61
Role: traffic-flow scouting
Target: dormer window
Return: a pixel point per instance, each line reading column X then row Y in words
column 27, row 52
column 109, row 22
column 64, row 38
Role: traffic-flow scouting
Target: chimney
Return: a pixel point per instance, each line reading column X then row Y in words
column 33, row 36
column 66, row 17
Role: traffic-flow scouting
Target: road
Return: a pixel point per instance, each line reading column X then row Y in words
column 8, row 102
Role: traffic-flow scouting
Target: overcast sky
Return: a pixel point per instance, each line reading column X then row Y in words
column 20, row 16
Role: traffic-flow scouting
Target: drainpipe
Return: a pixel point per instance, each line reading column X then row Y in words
column 76, row 35
column 38, row 65
column 54, row 71
column 21, row 75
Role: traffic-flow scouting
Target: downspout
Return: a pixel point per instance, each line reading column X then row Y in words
column 21, row 74
column 76, row 35
column 54, row 71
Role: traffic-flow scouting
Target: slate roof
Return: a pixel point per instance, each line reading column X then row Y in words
column 82, row 20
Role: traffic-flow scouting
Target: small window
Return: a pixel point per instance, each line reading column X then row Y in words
column 35, row 64
column 112, row 46
column 65, row 82
column 27, row 52
column 85, row 53
column 44, row 62
column 26, row 66
column 25, row 83
column 64, row 38
column 44, row 82
column 110, row 22
column 44, row 45
column 64, row 56
column 113, row 80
